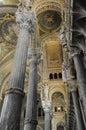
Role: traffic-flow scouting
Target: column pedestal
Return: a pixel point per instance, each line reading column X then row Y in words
column 11, row 110
column 31, row 107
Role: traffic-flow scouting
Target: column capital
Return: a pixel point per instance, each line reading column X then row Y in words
column 74, row 50
column 73, row 89
column 34, row 55
column 24, row 5
column 46, row 105
column 26, row 20
column 72, row 85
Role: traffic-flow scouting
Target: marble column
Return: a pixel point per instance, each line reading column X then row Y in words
column 81, row 74
column 47, row 108
column 1, row 100
column 11, row 111
column 31, row 106
column 77, row 109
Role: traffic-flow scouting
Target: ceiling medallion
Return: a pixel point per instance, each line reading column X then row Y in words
column 49, row 20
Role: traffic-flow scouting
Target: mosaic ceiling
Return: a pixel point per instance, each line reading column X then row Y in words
column 49, row 20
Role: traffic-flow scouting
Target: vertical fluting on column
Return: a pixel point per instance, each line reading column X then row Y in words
column 47, row 109
column 81, row 75
column 78, row 114
column 11, row 111
column 31, row 107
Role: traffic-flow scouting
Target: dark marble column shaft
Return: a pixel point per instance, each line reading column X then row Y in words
column 81, row 74
column 11, row 110
column 31, row 107
column 78, row 114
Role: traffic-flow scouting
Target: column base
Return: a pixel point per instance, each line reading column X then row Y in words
column 30, row 124
column 11, row 110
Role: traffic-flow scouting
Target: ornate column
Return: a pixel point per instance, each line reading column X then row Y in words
column 11, row 111
column 78, row 114
column 81, row 74
column 31, row 107
column 46, row 104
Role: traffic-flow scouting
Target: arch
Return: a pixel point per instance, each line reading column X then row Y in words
column 60, row 75
column 58, row 94
column 59, row 87
column 60, row 127
column 55, row 76
column 50, row 76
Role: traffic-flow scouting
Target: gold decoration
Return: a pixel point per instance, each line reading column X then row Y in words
column 8, row 17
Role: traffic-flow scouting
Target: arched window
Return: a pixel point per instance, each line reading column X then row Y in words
column 62, row 108
column 60, row 75
column 60, row 127
column 24, row 113
column 39, row 111
column 55, row 76
column 55, row 109
column 51, row 76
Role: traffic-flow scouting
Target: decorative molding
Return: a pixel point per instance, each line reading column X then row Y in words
column 26, row 20
column 34, row 55
column 74, row 50
column 46, row 105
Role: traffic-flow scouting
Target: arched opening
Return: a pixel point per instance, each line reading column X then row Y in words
column 39, row 112
column 60, row 75
column 51, row 76
column 60, row 127
column 55, row 76
column 58, row 102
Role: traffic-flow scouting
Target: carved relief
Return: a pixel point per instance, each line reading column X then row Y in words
column 45, row 92
column 26, row 20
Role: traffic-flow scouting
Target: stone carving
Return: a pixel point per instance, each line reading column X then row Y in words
column 45, row 92
column 74, row 50
column 65, row 72
column 26, row 20
column 63, row 36
column 46, row 105
column 24, row 5
column 34, row 55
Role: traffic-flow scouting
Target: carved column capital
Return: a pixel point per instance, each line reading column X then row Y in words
column 74, row 50
column 73, row 89
column 26, row 20
column 24, row 5
column 72, row 85
column 34, row 55
column 46, row 105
